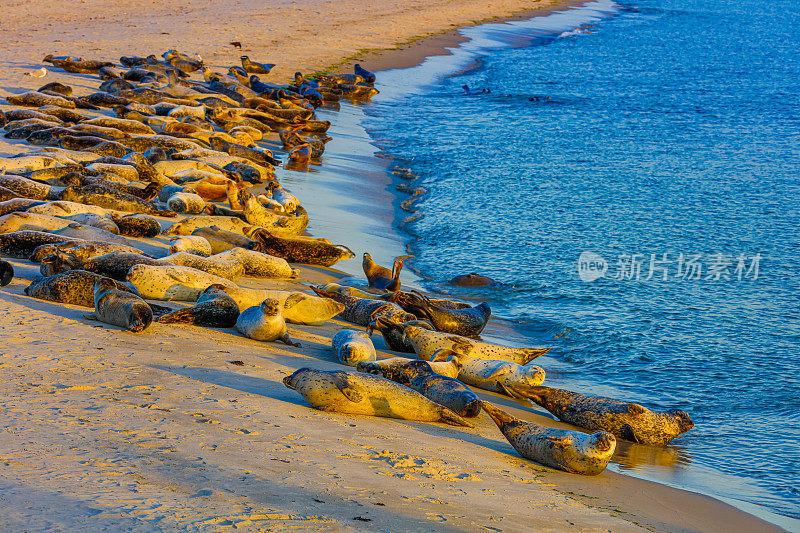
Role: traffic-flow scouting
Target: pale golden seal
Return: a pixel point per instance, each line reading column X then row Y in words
column 264, row 323
column 352, row 347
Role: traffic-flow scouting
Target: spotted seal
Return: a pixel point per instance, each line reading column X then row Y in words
column 362, row 312
column 30, row 221
column 629, row 421
column 364, row 394
column 222, row 240
column 302, row 250
column 443, row 390
column 137, row 225
column 352, row 347
column 260, row 265
column 468, row 322
column 426, row 343
column 393, row 333
column 381, row 277
column 214, row 308
column 228, row 269
column 74, row 287
column 186, row 203
column 25, row 187
column 252, row 67
column 504, row 377
column 264, row 322
column 111, row 199
column 561, row 449
column 284, row 225
column 90, row 233
column 171, row 282
column 190, row 225
column 21, row 244
column 394, row 368
column 119, row 308
column 114, row 265
column 83, row 250
column 63, row 208
column 6, row 273
column 298, row 307
column 192, row 244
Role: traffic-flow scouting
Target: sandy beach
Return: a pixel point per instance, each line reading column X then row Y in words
column 182, row 427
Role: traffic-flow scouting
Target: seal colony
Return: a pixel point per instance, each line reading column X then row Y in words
column 176, row 152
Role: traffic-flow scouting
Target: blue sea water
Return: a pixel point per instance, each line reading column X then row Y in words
column 645, row 134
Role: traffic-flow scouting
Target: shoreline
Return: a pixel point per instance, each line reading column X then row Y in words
column 262, row 383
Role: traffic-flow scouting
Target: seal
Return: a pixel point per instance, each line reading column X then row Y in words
column 192, row 244
column 467, row 322
column 188, row 225
column 259, row 265
column 364, row 394
column 504, row 377
column 629, row 421
column 264, row 323
column 83, row 250
column 119, row 308
column 114, row 265
column 472, row 280
column 284, row 225
column 172, row 282
column 353, row 347
column 108, row 198
column 74, row 287
column 393, row 333
column 186, row 203
column 6, row 273
column 90, row 233
column 222, row 240
column 394, row 368
column 251, row 67
column 25, row 187
column 298, row 307
column 30, row 221
column 381, row 277
column 561, row 449
column 443, row 390
column 214, row 309
column 63, row 208
column 21, row 244
column 302, row 250
column 362, row 312
column 90, row 219
column 228, row 269
column 426, row 343
column 137, row 225
column 368, row 76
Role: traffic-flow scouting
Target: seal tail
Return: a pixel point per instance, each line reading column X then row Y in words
column 449, row 417
column 532, row 353
column 181, row 316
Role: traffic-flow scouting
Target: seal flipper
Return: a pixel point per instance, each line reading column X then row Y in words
column 181, row 316
column 346, row 388
column 92, row 316
column 449, row 417
column 285, row 339
column 560, row 442
column 627, row 433
column 511, row 391
column 636, row 409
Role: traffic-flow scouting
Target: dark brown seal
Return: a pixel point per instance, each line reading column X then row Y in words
column 381, row 277
column 214, row 308
column 302, row 249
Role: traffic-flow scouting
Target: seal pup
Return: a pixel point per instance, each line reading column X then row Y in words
column 504, row 377
column 570, row 451
column 6, row 273
column 443, row 390
column 264, row 323
column 119, row 308
column 380, row 277
column 214, row 309
column 364, row 394
column 629, row 421
column 426, row 343
column 467, row 322
column 352, row 347
column 394, row 367
column 172, row 282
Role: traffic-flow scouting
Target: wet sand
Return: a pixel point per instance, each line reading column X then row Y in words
column 184, row 427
